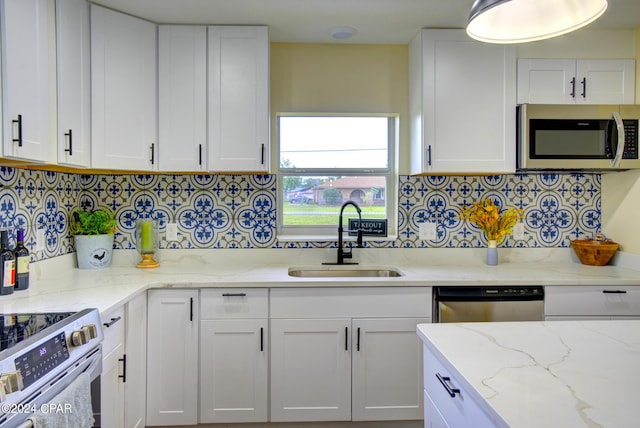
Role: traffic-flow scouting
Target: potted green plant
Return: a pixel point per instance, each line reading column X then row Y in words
column 93, row 237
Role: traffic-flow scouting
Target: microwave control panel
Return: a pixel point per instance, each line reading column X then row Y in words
column 630, row 139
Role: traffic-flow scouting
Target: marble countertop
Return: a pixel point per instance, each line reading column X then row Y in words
column 57, row 285
column 545, row 374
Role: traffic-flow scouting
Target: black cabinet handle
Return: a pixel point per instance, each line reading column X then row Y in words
column 234, row 294
column 261, row 339
column 573, row 88
column 191, row 309
column 152, row 153
column 444, row 381
column 262, row 155
column 429, row 155
column 199, row 154
column 614, row 291
column 112, row 322
column 346, row 338
column 70, row 149
column 123, row 376
column 584, row 87
column 358, row 340
column 19, row 139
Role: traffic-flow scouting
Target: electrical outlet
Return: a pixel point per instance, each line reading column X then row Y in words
column 518, row 231
column 41, row 239
column 172, row 232
column 428, row 231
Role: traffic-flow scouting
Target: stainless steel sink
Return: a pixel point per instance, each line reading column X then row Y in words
column 344, row 272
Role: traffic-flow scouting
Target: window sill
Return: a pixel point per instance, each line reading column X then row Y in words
column 333, row 237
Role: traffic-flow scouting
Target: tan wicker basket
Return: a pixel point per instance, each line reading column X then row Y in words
column 594, row 252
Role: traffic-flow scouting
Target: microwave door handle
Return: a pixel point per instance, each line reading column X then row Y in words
column 620, row 147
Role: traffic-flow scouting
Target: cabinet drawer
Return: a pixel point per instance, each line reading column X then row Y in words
column 113, row 330
column 351, row 302
column 593, row 300
column 217, row 303
column 458, row 411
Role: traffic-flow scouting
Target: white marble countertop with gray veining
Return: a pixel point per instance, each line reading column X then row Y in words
column 57, row 285
column 565, row 374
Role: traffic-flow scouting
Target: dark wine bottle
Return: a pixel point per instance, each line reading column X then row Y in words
column 21, row 254
column 7, row 265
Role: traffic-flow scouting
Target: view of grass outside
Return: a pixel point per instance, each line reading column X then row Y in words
column 311, row 214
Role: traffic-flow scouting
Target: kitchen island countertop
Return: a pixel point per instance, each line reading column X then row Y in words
column 57, row 285
column 565, row 374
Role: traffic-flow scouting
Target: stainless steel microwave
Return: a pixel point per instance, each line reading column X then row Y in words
column 554, row 136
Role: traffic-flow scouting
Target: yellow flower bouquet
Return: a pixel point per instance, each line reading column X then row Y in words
column 487, row 217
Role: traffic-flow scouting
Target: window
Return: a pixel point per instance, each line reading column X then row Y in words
column 327, row 160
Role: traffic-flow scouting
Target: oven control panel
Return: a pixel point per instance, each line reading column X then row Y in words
column 32, row 363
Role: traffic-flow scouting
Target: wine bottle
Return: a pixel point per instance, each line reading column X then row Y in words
column 7, row 265
column 21, row 254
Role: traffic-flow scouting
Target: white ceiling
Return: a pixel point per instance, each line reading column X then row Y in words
column 310, row 21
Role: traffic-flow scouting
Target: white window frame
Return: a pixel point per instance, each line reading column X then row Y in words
column 329, row 232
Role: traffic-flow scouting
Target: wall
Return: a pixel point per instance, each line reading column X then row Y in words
column 621, row 195
column 237, row 211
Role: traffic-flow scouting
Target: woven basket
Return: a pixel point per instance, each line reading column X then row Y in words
column 593, row 252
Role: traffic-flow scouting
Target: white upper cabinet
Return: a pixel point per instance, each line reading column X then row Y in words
column 182, row 98
column 74, row 82
column 25, row 35
column 462, row 99
column 238, row 99
column 570, row 81
column 124, row 111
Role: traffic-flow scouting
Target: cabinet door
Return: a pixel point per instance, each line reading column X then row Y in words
column 387, row 369
column 468, row 104
column 25, row 80
column 112, row 389
column 136, row 363
column 233, row 370
column 111, row 378
column 547, row 81
column 123, row 91
column 605, row 81
column 172, row 363
column 74, row 80
column 310, row 370
column 432, row 416
column 238, row 98
column 182, row 98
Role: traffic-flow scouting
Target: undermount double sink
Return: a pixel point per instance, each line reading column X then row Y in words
column 348, row 271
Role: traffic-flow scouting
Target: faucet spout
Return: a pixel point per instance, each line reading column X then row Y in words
column 342, row 254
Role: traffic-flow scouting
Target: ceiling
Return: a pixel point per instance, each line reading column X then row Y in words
column 310, row 21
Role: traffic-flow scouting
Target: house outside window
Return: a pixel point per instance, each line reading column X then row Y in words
column 327, row 160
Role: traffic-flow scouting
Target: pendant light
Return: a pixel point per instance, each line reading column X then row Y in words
column 519, row 21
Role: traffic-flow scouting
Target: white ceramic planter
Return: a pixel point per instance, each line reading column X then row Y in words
column 93, row 251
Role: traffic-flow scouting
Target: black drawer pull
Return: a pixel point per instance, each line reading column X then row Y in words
column 614, row 291
column 123, row 360
column 234, row 294
column 444, row 381
column 112, row 322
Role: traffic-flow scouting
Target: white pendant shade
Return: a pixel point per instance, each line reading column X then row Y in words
column 519, row 21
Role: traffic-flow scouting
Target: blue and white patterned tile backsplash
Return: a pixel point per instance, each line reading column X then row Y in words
column 239, row 211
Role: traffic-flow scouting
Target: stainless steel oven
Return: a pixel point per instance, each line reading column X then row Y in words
column 482, row 304
column 41, row 356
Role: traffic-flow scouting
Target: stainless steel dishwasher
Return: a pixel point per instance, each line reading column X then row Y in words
column 482, row 304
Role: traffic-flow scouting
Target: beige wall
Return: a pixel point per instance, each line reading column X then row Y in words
column 341, row 78
column 621, row 195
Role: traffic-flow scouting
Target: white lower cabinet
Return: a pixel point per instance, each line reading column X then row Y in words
column 135, row 364
column 111, row 386
column 386, row 369
column 347, row 353
column 172, row 362
column 447, row 404
column 234, row 349
column 310, row 370
column 583, row 302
